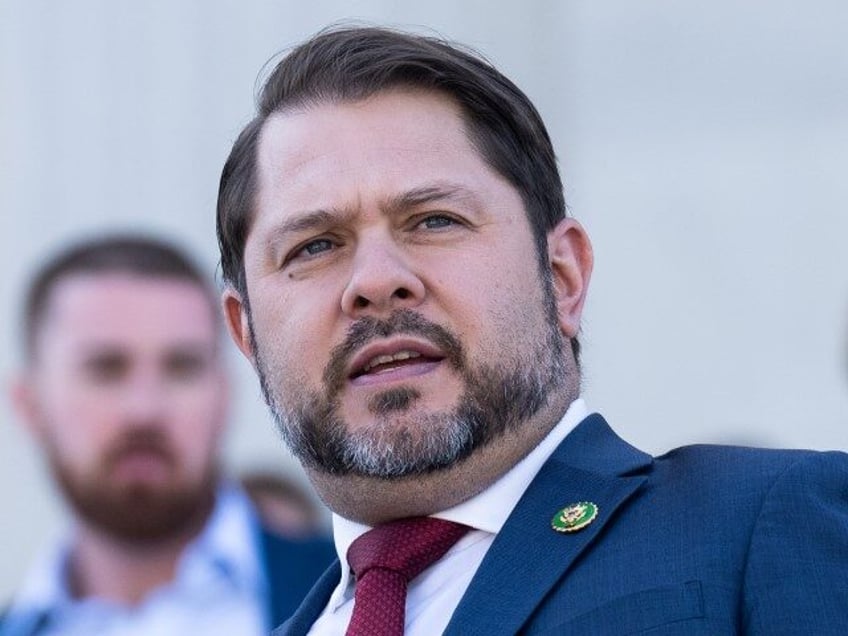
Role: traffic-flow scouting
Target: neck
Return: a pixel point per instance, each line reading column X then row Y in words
column 121, row 571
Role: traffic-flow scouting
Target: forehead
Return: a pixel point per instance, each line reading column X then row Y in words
column 391, row 140
column 404, row 114
column 126, row 309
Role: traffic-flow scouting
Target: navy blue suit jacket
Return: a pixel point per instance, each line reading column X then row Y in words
column 706, row 540
column 292, row 566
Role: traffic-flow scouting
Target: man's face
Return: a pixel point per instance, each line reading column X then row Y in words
column 397, row 315
column 126, row 396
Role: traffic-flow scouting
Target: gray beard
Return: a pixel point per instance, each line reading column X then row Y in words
column 496, row 400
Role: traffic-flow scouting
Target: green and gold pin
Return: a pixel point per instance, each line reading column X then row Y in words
column 575, row 517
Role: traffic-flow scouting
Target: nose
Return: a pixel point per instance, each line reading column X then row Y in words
column 144, row 398
column 381, row 280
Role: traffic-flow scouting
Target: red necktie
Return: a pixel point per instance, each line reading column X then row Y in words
column 384, row 560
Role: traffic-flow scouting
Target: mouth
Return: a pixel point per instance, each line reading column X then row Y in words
column 398, row 359
column 141, row 462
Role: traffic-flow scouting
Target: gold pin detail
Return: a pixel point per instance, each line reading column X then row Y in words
column 575, row 517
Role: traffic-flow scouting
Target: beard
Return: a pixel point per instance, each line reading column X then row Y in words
column 496, row 400
column 135, row 512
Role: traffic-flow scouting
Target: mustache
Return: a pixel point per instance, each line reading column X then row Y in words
column 141, row 440
column 402, row 321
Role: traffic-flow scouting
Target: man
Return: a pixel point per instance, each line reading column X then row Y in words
column 401, row 273
column 125, row 393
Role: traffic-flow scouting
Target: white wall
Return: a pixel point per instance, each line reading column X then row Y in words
column 704, row 147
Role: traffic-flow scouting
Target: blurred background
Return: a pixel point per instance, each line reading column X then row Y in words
column 704, row 146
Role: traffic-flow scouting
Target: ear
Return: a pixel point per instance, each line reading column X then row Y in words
column 23, row 395
column 235, row 315
column 570, row 253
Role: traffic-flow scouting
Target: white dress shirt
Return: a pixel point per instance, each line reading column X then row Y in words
column 433, row 596
column 219, row 588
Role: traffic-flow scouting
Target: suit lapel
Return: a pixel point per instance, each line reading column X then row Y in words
column 301, row 621
column 528, row 557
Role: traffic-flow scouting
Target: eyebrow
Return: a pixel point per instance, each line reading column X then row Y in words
column 308, row 221
column 438, row 191
column 322, row 218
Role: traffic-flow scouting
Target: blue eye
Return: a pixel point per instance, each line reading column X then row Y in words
column 316, row 249
column 317, row 246
column 437, row 221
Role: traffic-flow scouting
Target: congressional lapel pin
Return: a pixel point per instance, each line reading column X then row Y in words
column 575, row 517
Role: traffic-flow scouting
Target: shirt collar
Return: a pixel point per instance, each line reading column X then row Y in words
column 227, row 545
column 45, row 586
column 488, row 510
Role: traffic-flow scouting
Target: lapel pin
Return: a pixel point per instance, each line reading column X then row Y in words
column 575, row 517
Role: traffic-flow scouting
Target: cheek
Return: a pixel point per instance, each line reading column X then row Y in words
column 295, row 331
column 197, row 409
column 76, row 417
column 468, row 294
column 493, row 308
column 197, row 455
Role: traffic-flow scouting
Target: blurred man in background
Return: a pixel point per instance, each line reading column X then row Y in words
column 124, row 392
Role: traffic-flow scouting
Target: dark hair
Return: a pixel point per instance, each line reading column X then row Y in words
column 146, row 257
column 351, row 64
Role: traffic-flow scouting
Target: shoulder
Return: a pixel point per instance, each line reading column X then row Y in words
column 760, row 466
column 777, row 518
column 751, row 487
column 41, row 590
column 798, row 552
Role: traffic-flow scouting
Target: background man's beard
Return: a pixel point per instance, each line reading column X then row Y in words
column 136, row 512
column 397, row 444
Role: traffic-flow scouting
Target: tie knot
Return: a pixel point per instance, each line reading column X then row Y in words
column 406, row 546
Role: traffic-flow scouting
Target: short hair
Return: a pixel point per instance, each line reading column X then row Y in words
column 354, row 63
column 142, row 256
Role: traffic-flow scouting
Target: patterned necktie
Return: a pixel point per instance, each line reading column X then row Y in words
column 384, row 560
